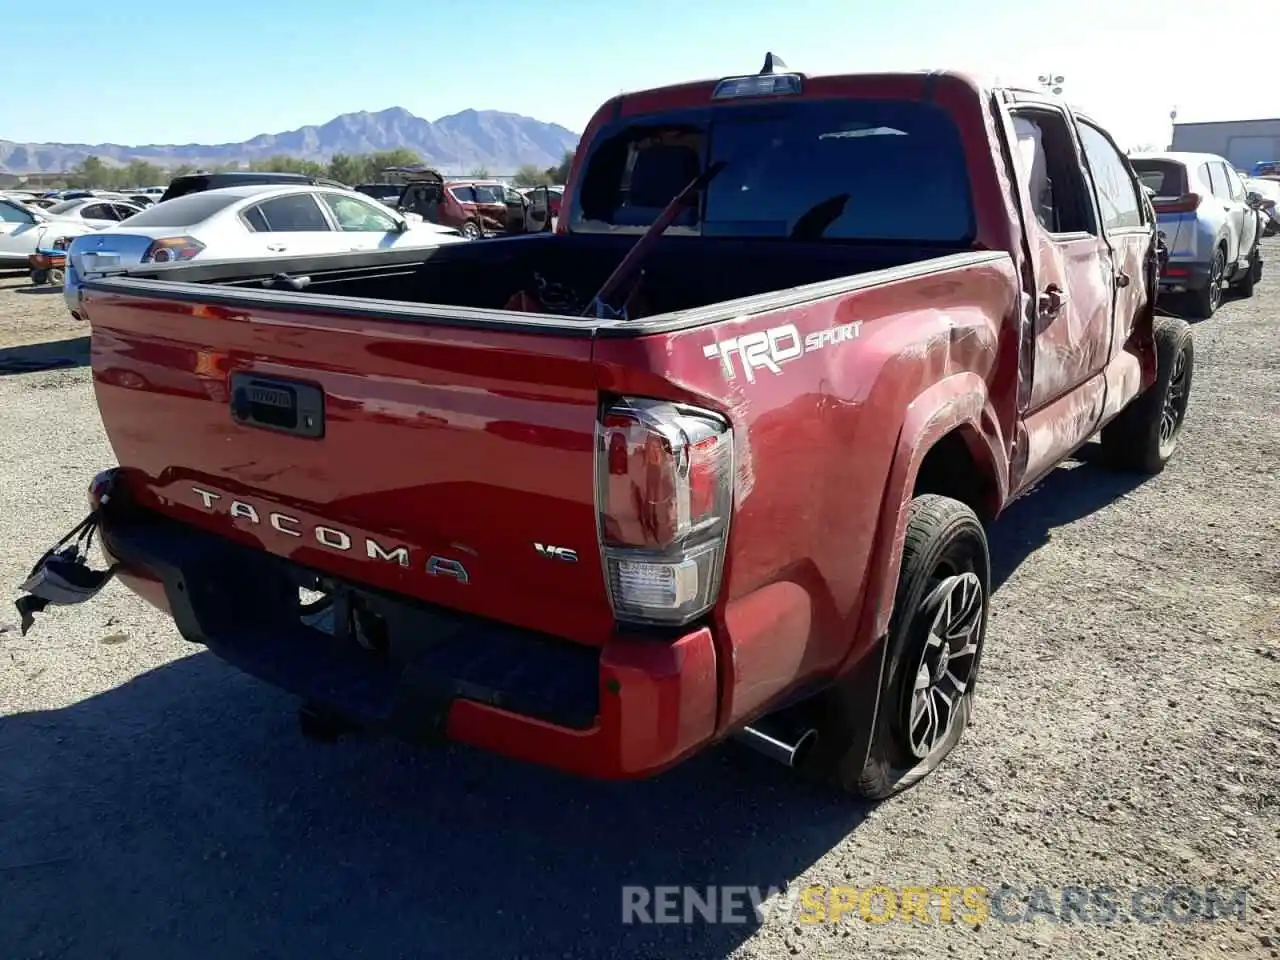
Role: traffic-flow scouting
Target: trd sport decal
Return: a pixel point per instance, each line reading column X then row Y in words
column 770, row 349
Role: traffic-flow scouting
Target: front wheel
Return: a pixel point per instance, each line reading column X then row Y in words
column 1250, row 280
column 1144, row 436
column 931, row 657
column 471, row 230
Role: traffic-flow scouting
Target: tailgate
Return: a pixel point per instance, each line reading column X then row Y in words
column 1179, row 231
column 429, row 461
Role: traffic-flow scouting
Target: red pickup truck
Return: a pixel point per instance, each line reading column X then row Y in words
column 460, row 497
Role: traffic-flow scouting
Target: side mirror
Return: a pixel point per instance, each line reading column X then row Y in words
column 1253, row 199
column 402, row 224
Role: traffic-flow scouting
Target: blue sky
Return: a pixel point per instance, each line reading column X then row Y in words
column 232, row 69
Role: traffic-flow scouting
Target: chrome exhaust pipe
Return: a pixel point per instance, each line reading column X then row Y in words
column 773, row 746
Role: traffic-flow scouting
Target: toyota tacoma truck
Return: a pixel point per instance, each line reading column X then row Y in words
column 714, row 459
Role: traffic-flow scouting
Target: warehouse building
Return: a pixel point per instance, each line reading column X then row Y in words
column 1242, row 142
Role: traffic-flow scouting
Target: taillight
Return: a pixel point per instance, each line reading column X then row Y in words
column 1187, row 203
column 664, row 475
column 169, row 249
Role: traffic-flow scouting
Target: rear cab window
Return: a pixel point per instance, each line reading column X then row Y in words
column 859, row 169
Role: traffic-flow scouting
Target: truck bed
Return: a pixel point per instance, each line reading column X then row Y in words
column 682, row 273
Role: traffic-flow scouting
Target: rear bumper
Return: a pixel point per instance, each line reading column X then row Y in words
column 629, row 709
column 1181, row 276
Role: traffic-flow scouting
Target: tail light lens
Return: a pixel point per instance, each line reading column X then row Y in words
column 664, row 474
column 1187, row 203
column 169, row 249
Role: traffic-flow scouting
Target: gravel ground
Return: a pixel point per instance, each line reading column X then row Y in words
column 154, row 802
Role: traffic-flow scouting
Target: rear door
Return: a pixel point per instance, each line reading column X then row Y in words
column 291, row 224
column 1126, row 224
column 1075, row 275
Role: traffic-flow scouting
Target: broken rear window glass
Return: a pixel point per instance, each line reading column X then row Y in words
column 856, row 170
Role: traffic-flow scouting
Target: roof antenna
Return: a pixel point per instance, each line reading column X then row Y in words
column 772, row 63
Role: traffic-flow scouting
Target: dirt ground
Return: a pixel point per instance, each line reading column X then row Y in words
column 157, row 803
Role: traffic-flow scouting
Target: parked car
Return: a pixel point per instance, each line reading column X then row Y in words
column 95, row 211
column 197, row 182
column 1266, row 194
column 1212, row 232
column 261, row 220
column 478, row 208
column 744, row 492
column 24, row 228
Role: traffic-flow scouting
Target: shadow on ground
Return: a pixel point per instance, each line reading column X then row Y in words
column 50, row 355
column 181, row 815
column 1074, row 490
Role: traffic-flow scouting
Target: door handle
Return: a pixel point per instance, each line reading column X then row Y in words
column 276, row 247
column 1052, row 300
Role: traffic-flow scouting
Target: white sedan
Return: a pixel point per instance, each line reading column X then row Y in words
column 262, row 220
column 25, row 228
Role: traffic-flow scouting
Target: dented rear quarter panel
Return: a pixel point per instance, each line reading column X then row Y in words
column 824, row 445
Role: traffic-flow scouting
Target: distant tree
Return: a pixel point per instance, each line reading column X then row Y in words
column 560, row 172
column 530, row 176
column 140, row 173
column 480, row 172
column 89, row 174
column 349, row 169
column 285, row 164
column 399, row 157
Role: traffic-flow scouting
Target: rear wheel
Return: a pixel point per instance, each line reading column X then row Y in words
column 1205, row 303
column 1145, row 435
column 931, row 657
column 39, row 277
column 471, row 230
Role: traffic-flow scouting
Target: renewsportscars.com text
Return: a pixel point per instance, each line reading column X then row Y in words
column 969, row 904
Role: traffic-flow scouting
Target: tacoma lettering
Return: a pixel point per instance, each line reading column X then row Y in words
column 331, row 537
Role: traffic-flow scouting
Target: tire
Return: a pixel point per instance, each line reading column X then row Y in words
column 1141, row 439
column 56, row 277
column 945, row 578
column 1205, row 303
column 39, row 277
column 1245, row 287
column 471, row 230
